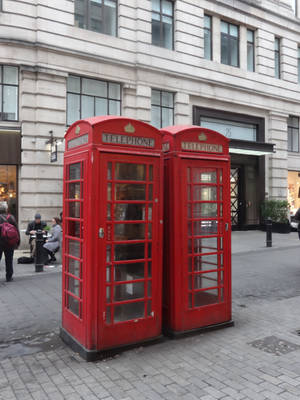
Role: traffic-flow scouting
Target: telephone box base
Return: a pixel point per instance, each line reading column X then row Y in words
column 95, row 355
column 176, row 334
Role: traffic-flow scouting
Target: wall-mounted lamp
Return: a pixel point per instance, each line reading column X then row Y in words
column 53, row 146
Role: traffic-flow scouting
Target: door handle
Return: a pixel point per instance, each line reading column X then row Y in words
column 226, row 226
column 101, row 233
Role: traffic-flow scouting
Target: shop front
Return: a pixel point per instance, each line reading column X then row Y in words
column 247, row 149
column 10, row 154
column 293, row 194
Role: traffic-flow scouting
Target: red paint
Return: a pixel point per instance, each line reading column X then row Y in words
column 197, row 234
column 112, row 286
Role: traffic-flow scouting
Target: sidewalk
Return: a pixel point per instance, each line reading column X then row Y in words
column 258, row 358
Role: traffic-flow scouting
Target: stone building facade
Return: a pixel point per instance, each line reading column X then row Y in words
column 228, row 64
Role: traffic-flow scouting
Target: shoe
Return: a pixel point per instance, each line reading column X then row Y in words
column 52, row 259
column 9, row 279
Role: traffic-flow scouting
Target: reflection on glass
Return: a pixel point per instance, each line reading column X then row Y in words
column 73, row 286
column 109, row 171
column 74, row 248
column 109, row 191
column 201, row 210
column 149, row 269
column 205, row 227
column 150, row 212
column 74, row 209
column 129, row 231
column 107, row 274
column 108, row 253
column 149, row 231
column 204, row 175
column 149, row 289
column 73, row 228
column 74, row 267
column 205, row 245
column 129, row 291
column 125, row 312
column 190, row 264
column 129, row 251
column 150, row 195
column 149, row 308
column 149, row 250
column 108, row 212
column 108, row 294
column 74, row 171
column 129, row 272
column 150, row 172
column 130, row 191
column 190, row 248
column 74, row 190
column 221, row 193
column 129, row 212
column 73, row 305
column 204, row 193
column 108, row 315
column 130, row 172
column 220, row 176
column 204, row 281
column 189, row 192
column 190, row 230
column 206, row 262
column 206, row 297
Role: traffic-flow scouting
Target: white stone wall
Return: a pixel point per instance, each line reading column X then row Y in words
column 40, row 37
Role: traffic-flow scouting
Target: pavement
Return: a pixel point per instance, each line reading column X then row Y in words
column 258, row 358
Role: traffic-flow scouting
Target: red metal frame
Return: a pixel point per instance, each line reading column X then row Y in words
column 104, row 146
column 197, row 256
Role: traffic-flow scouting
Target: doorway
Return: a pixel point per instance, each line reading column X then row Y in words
column 8, row 187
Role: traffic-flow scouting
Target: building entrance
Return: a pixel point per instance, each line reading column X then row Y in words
column 8, row 187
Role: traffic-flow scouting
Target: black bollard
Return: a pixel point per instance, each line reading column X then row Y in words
column 39, row 252
column 268, row 232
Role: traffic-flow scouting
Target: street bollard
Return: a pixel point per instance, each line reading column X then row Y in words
column 39, row 252
column 268, row 232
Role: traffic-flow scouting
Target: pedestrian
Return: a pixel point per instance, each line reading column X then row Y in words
column 54, row 242
column 8, row 247
column 297, row 218
column 36, row 225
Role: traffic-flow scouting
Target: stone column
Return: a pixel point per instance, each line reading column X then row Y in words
column 143, row 103
column 265, row 61
column 182, row 109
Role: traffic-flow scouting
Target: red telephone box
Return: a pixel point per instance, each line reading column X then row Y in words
column 112, row 225
column 197, row 236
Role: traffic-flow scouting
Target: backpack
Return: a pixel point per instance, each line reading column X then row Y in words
column 9, row 234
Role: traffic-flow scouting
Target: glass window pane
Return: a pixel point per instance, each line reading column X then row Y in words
column 201, row 210
column 155, row 31
column 10, row 75
column 129, row 212
column 129, row 171
column 204, row 193
column 130, row 191
column 73, row 248
column 205, row 245
column 167, row 26
column 126, row 251
column 224, row 27
column 155, row 117
column 74, row 209
column 207, row 44
column 94, row 87
column 114, row 107
column 206, row 262
column 74, row 267
column 203, row 281
column 73, row 228
column 73, row 84
column 250, row 36
column 155, row 97
column 207, row 21
column 129, row 272
column 205, row 228
column 73, row 108
column 167, row 7
column 129, row 291
column 125, row 312
column 224, row 50
column 276, row 44
column 10, row 103
column 277, row 70
column 234, row 30
column 234, row 53
column 167, row 99
column 250, row 57
column 114, row 91
column 74, row 286
column 167, row 116
column 206, row 297
column 74, row 171
column 87, row 106
column 129, row 231
column 156, row 5
column 101, row 106
column 204, row 175
column 110, row 18
column 73, row 305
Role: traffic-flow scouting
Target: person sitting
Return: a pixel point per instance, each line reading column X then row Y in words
column 33, row 226
column 54, row 242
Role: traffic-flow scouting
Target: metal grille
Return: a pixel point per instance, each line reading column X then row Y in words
column 234, row 195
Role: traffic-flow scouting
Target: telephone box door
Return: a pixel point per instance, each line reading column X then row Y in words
column 129, row 236
column 207, row 250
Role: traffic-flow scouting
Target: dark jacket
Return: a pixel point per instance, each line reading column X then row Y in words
column 33, row 226
column 297, row 218
column 10, row 219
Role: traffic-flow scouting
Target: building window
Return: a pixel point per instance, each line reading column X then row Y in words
column 89, row 97
column 250, row 50
column 162, row 23
column 97, row 15
column 298, row 64
column 162, row 108
column 9, row 85
column 207, row 37
column 293, row 134
column 229, row 44
column 295, row 6
column 277, row 57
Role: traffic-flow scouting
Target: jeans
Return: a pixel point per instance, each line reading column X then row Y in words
column 9, row 255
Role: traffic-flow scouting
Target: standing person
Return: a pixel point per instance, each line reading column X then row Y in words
column 5, row 247
column 297, row 218
column 54, row 242
column 36, row 225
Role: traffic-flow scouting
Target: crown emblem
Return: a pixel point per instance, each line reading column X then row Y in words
column 202, row 137
column 77, row 130
column 129, row 128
